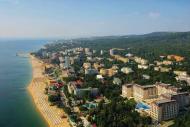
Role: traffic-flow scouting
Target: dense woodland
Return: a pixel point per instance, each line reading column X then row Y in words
column 119, row 113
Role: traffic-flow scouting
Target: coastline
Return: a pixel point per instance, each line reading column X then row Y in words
column 51, row 114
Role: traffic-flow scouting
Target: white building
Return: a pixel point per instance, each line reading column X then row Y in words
column 87, row 50
column 93, row 51
column 61, row 59
column 164, row 69
column 129, row 55
column 117, row 81
column 101, row 52
column 146, row 76
column 180, row 73
column 99, row 77
column 126, row 70
column 141, row 66
column 111, row 52
column 140, row 60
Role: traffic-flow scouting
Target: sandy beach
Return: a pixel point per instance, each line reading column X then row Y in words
column 51, row 114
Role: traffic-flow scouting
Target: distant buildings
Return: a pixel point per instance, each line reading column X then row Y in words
column 146, row 76
column 140, row 60
column 129, row 55
column 141, row 66
column 87, row 65
column 165, row 62
column 97, row 66
column 182, row 76
column 157, row 68
column 162, row 69
column 175, row 57
column 180, row 73
column 110, row 59
column 114, row 67
column 81, row 92
column 45, row 54
column 61, row 65
column 93, row 51
column 72, row 60
column 88, row 51
column 101, row 52
column 53, row 55
column 108, row 72
column 76, row 89
column 111, row 52
column 120, row 58
column 126, row 70
column 99, row 77
column 117, row 81
column 61, row 59
column 91, row 71
column 66, row 62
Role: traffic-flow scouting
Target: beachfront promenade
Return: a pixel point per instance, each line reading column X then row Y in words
column 51, row 114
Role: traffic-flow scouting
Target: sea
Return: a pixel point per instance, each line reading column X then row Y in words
column 16, row 106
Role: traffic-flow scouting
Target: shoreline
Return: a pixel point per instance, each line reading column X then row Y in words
column 36, row 108
column 31, row 95
column 51, row 114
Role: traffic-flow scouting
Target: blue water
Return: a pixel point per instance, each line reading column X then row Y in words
column 143, row 106
column 16, row 106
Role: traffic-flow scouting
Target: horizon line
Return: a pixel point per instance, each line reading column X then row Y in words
column 87, row 36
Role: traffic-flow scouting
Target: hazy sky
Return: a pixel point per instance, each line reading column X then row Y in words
column 75, row 18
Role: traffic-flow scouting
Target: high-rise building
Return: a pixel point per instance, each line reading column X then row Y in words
column 111, row 52
column 66, row 62
column 87, row 50
column 93, row 51
column 182, row 98
column 164, row 110
column 101, row 52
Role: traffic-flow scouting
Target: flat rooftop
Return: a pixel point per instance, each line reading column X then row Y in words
column 163, row 101
column 145, row 86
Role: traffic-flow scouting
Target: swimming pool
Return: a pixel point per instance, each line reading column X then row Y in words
column 142, row 105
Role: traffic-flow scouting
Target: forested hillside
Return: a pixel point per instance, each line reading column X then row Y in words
column 148, row 45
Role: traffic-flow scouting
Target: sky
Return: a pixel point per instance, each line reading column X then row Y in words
column 84, row 18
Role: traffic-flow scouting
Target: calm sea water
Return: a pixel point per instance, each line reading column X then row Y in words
column 16, row 106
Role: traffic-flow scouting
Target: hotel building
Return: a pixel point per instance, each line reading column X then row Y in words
column 138, row 92
column 165, row 101
column 163, row 109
